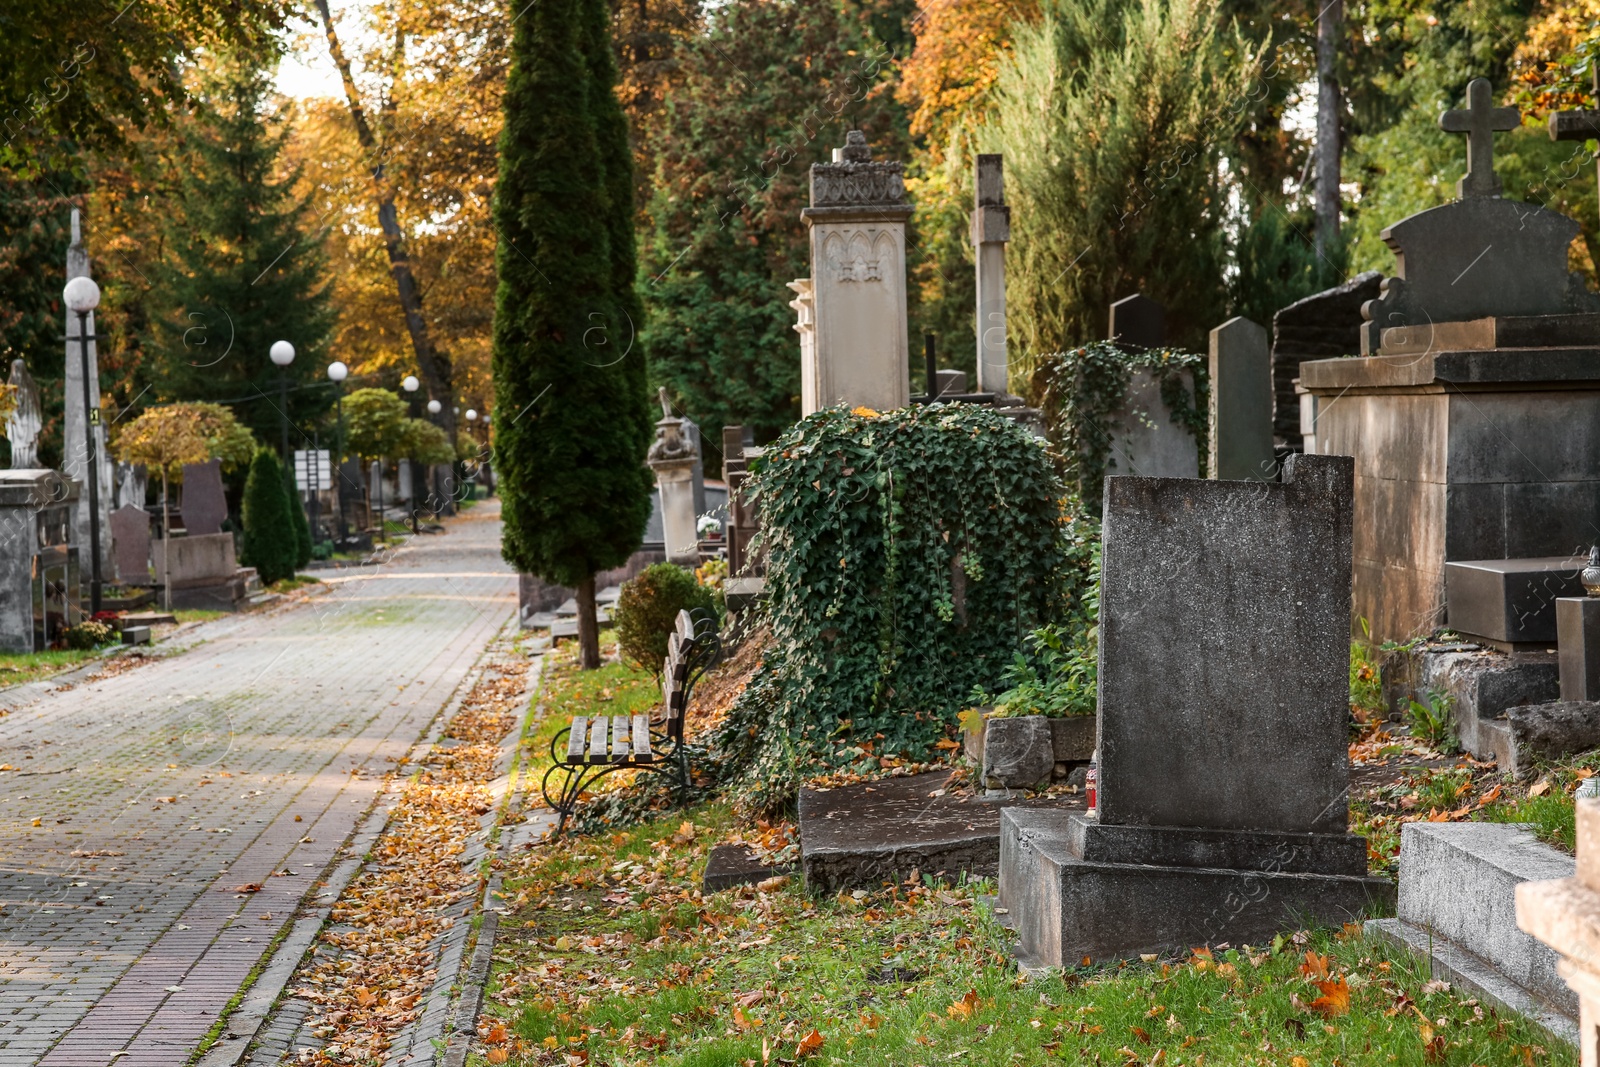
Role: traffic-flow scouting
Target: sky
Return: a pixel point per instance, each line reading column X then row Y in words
column 307, row 70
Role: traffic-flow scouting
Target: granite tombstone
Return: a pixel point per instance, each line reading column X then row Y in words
column 205, row 504
column 1223, row 763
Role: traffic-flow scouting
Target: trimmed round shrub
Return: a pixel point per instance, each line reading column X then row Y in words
column 648, row 610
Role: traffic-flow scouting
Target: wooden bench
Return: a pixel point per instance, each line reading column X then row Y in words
column 590, row 748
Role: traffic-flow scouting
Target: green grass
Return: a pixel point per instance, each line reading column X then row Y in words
column 611, row 952
column 18, row 667
column 1552, row 816
column 298, row 581
column 197, row 614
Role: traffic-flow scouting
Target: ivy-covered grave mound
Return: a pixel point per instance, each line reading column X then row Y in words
column 909, row 554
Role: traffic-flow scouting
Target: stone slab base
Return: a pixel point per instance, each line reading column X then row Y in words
column 860, row 836
column 1065, row 908
column 1454, row 964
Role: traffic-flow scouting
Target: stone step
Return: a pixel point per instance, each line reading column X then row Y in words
column 1457, row 908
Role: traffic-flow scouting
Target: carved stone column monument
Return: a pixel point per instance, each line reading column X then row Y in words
column 857, row 219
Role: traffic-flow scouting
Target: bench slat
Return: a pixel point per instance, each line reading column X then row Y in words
column 619, row 739
column 597, row 740
column 674, row 698
column 577, row 738
column 685, row 626
column 641, row 740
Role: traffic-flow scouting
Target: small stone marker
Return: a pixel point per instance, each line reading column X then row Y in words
column 1578, row 645
column 136, row 635
column 1241, row 403
column 1223, row 792
column 130, row 533
column 1138, row 320
column 205, row 504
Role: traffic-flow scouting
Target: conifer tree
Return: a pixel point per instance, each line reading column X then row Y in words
column 268, row 543
column 572, row 419
column 243, row 267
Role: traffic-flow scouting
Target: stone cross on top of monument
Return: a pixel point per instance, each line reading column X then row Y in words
column 1480, row 120
column 1477, row 258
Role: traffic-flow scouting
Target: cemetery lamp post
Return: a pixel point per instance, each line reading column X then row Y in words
column 337, row 373
column 282, row 354
column 410, row 385
column 82, row 296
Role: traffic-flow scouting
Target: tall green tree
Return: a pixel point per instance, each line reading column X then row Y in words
column 243, row 267
column 1136, row 100
column 769, row 89
column 572, row 419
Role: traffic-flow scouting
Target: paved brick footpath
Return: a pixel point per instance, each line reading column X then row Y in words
column 147, row 804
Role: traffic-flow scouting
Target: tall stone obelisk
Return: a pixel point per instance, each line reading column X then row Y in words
column 75, row 452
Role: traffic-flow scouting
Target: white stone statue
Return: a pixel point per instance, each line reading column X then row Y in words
column 25, row 422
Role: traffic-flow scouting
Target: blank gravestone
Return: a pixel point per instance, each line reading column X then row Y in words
column 205, row 505
column 130, row 534
column 1241, row 403
column 1223, row 761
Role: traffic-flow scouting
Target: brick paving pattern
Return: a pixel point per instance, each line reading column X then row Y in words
column 143, row 799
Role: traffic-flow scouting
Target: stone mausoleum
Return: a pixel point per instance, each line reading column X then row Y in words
column 1473, row 412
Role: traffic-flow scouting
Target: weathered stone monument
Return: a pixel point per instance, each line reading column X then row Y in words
column 39, row 570
column 1240, row 441
column 1223, row 806
column 1144, row 439
column 675, row 459
column 26, row 419
column 1480, row 343
column 205, row 503
column 75, row 434
column 1565, row 914
column 991, row 230
column 857, row 297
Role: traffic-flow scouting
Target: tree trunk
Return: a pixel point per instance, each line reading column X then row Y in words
column 1330, row 25
column 432, row 365
column 588, row 626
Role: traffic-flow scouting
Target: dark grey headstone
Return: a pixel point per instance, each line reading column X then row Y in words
column 1138, row 320
column 1224, row 650
column 1241, row 403
column 1476, row 258
column 205, row 505
column 130, row 536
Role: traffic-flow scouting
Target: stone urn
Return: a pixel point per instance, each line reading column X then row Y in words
column 1591, row 574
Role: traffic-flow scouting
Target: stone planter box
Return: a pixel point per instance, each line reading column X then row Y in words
column 1030, row 750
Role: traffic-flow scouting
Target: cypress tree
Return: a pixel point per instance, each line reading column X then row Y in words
column 268, row 543
column 572, row 419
